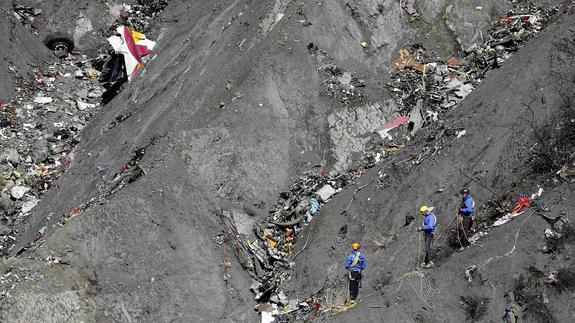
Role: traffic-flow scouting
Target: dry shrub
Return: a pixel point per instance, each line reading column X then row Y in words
column 565, row 280
column 557, row 245
column 475, row 307
column 529, row 291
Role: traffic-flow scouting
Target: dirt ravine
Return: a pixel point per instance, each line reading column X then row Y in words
column 238, row 101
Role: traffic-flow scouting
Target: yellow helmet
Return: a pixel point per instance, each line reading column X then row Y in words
column 423, row 208
column 355, row 246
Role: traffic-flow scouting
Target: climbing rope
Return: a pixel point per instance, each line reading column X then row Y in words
column 446, row 227
column 416, row 272
column 425, row 291
column 418, row 252
column 512, row 250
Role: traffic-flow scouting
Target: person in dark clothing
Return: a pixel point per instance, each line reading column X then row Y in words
column 466, row 209
column 355, row 264
column 429, row 222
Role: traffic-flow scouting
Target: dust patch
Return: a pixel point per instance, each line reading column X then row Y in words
column 65, row 306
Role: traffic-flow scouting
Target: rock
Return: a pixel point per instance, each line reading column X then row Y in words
column 18, row 192
column 11, row 156
column 82, row 93
column 7, row 184
column 40, row 151
column 96, row 93
column 345, row 78
column 58, row 148
column 560, row 224
column 6, row 202
column 29, row 205
column 4, row 230
column 282, row 297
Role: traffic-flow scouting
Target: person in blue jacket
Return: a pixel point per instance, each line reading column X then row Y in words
column 466, row 209
column 355, row 264
column 429, row 222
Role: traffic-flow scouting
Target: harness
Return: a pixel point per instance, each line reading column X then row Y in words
column 355, row 261
column 351, row 270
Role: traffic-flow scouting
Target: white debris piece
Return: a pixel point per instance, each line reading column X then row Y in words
column 81, row 105
column 453, row 84
column 464, row 90
column 469, row 271
column 538, row 194
column 431, row 115
column 43, row 99
column 18, row 191
column 550, row 234
column 29, row 205
column 326, row 192
column 416, row 118
column 268, row 311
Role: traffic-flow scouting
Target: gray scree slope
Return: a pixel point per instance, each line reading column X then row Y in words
column 148, row 253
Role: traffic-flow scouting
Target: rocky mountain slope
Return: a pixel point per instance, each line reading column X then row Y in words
column 239, row 100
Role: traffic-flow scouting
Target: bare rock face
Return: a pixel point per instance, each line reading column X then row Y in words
column 350, row 130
